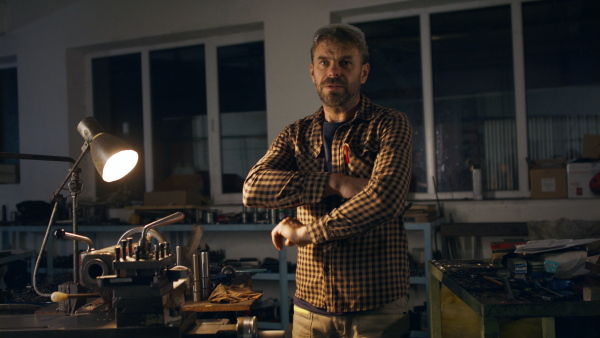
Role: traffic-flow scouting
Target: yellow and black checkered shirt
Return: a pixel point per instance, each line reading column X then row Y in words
column 358, row 259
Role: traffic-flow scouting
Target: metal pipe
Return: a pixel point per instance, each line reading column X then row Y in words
column 62, row 234
column 173, row 218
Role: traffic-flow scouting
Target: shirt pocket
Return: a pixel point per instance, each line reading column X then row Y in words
column 361, row 158
column 305, row 160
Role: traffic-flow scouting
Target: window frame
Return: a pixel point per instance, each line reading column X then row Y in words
column 212, row 92
column 10, row 62
column 424, row 14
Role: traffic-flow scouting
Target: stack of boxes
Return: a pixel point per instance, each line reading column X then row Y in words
column 554, row 178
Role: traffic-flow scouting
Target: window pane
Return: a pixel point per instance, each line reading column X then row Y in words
column 117, row 91
column 395, row 79
column 562, row 64
column 474, row 105
column 9, row 122
column 242, row 105
column 180, row 133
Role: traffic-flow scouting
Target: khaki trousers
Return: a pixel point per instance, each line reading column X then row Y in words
column 390, row 320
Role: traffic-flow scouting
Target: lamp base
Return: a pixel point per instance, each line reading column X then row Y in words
column 70, row 305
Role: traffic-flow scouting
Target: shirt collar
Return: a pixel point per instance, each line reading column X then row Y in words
column 364, row 112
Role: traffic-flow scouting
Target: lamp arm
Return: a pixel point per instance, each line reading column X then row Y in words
column 56, row 197
column 84, row 149
column 36, row 157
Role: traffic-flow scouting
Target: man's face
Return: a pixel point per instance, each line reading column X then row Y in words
column 338, row 73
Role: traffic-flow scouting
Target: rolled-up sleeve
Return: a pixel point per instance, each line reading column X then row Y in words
column 276, row 181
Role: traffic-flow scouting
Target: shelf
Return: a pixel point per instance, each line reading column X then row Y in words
column 273, row 276
column 17, row 256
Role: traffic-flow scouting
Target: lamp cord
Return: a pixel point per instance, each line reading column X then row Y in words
column 39, row 257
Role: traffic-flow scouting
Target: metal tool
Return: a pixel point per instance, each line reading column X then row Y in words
column 504, row 274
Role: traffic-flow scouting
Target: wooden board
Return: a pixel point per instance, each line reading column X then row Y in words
column 206, row 306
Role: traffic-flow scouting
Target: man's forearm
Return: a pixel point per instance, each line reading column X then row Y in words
column 344, row 186
column 269, row 188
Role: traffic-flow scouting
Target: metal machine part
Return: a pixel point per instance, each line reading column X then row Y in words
column 97, row 263
column 144, row 245
column 246, row 327
column 98, row 325
column 144, row 286
column 62, row 234
column 205, row 282
column 148, row 288
column 197, row 286
column 153, row 233
column 143, row 291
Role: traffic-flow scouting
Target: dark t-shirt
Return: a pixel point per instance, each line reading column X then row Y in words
column 329, row 129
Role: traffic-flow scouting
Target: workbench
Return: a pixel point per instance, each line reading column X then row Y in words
column 463, row 279
column 207, row 306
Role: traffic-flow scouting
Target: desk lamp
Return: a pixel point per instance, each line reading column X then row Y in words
column 113, row 159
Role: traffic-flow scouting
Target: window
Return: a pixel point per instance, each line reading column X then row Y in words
column 117, row 106
column 9, row 124
column 562, row 72
column 473, row 92
column 189, row 91
column 242, row 108
column 395, row 80
column 500, row 85
column 179, row 118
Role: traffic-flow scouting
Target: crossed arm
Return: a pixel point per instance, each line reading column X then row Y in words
column 291, row 231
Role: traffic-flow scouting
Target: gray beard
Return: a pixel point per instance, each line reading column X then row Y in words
column 335, row 100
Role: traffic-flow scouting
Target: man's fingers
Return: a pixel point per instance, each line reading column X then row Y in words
column 286, row 233
column 277, row 238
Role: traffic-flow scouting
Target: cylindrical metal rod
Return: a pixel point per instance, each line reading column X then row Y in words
column 196, row 291
column 173, row 218
column 205, row 275
column 178, row 257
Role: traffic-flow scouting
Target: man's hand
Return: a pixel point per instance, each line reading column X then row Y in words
column 344, row 186
column 290, row 232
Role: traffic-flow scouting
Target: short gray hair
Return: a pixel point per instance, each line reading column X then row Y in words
column 344, row 34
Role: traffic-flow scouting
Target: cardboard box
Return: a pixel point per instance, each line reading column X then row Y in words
column 554, row 259
column 591, row 146
column 583, row 180
column 177, row 190
column 548, row 179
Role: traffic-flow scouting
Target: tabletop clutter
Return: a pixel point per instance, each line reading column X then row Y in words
column 550, row 269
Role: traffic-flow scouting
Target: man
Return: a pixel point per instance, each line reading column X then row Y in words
column 347, row 169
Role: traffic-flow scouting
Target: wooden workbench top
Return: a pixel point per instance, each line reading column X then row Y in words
column 206, row 306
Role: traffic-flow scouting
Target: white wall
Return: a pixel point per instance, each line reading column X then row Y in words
column 50, row 48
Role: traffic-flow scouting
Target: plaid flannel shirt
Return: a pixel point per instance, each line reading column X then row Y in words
column 358, row 256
